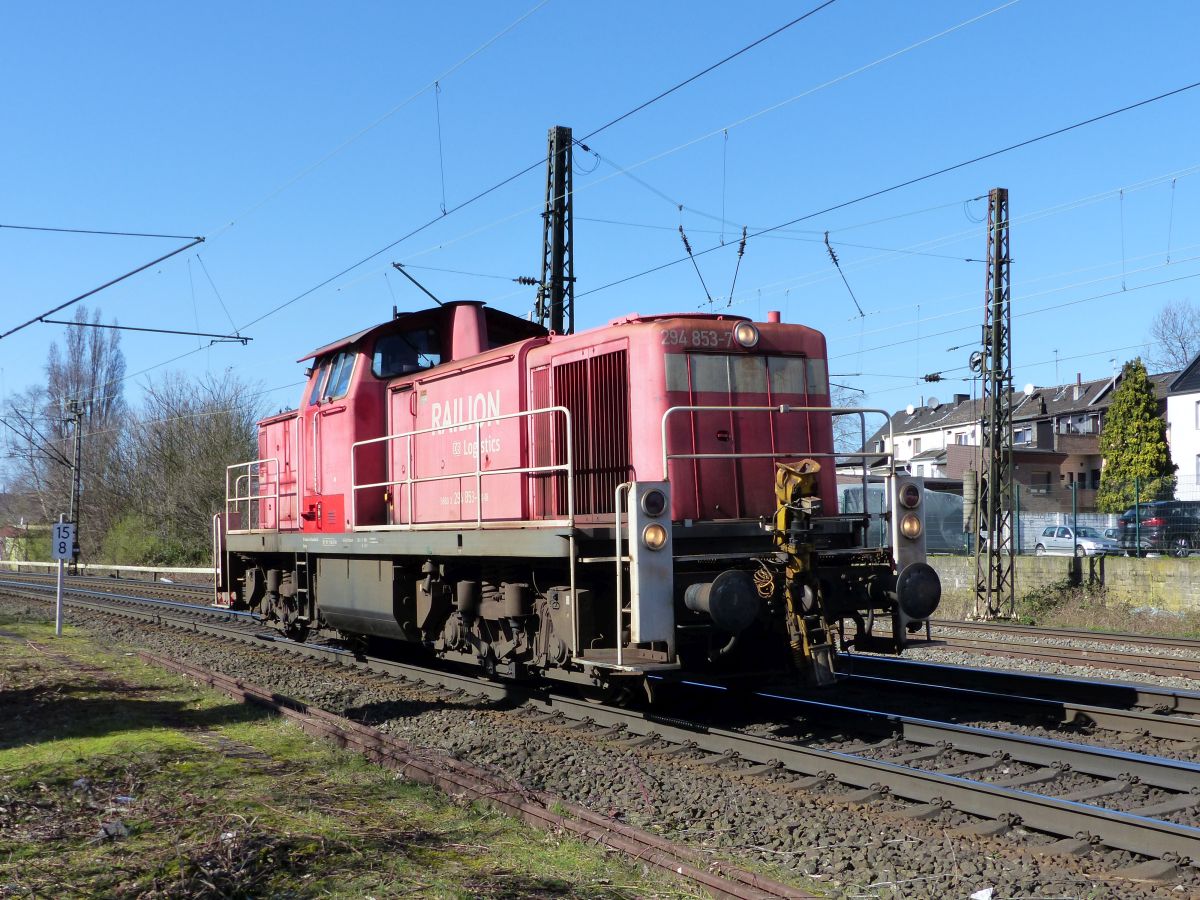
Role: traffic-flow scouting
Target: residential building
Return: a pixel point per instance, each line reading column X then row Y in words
column 1183, row 430
column 1056, row 439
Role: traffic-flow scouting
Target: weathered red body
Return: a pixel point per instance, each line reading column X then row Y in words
column 460, row 466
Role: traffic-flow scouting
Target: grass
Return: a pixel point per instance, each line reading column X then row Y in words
column 119, row 780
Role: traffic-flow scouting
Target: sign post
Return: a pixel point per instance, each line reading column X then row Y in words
column 62, row 548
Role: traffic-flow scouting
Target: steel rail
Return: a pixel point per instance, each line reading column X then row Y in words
column 1100, row 637
column 1149, row 664
column 1113, row 694
column 1142, row 834
column 1126, row 721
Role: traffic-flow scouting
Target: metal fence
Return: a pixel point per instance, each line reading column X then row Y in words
column 1155, row 516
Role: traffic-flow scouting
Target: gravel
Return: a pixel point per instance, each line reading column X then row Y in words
column 817, row 837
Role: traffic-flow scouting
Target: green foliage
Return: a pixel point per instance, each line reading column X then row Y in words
column 1133, row 443
column 1039, row 604
column 37, row 545
column 136, row 541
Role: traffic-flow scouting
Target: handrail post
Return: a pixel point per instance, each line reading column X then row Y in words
column 622, row 488
column 478, row 477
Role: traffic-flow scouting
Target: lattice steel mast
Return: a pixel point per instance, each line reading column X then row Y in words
column 556, row 291
column 994, row 588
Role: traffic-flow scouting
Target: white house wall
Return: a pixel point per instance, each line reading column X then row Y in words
column 1183, row 431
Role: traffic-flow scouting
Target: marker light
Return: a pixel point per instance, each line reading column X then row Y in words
column 910, row 496
column 654, row 503
column 654, row 536
column 910, row 526
column 745, row 334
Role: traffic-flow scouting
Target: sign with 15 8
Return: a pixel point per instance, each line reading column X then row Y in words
column 62, row 544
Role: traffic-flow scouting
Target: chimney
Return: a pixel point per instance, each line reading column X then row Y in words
column 1078, row 392
column 961, row 398
column 773, row 316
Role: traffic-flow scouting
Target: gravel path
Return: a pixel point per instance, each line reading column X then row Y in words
column 819, row 838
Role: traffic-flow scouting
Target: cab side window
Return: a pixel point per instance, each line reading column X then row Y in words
column 340, row 371
column 319, row 382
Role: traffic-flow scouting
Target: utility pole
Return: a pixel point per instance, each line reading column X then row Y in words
column 994, row 588
column 556, row 292
column 76, row 409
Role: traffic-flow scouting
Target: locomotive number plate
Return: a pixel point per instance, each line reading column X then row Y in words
column 696, row 337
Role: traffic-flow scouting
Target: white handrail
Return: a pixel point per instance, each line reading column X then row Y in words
column 860, row 411
column 233, row 499
column 624, row 488
column 478, row 473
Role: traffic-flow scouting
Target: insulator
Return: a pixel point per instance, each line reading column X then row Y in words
column 686, row 245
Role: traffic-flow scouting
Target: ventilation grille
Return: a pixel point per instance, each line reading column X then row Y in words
column 596, row 391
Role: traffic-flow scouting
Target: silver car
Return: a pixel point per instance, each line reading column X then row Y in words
column 1084, row 541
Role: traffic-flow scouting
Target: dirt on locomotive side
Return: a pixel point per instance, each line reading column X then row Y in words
column 119, row 780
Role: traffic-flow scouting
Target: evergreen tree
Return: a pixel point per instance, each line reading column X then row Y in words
column 1133, row 443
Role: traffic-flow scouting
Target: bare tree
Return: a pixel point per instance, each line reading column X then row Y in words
column 187, row 432
column 89, row 369
column 1175, row 332
column 847, row 430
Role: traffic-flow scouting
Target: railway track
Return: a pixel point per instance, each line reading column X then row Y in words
column 1131, row 661
column 1085, row 795
column 1073, row 634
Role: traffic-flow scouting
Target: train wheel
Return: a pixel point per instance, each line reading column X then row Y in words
column 623, row 691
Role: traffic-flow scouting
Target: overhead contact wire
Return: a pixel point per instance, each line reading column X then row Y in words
column 511, row 178
column 917, row 180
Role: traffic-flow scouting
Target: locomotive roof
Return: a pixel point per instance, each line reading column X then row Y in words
column 498, row 322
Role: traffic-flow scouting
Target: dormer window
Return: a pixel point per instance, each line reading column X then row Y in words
column 405, row 352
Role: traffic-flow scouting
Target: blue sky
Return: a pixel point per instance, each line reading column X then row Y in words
column 300, row 138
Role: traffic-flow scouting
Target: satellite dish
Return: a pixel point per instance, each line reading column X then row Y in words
column 910, row 409
column 1029, row 389
column 934, row 403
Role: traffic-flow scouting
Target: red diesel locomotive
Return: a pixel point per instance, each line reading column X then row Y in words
column 654, row 494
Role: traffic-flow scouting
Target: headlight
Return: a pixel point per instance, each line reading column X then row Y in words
column 745, row 334
column 910, row 526
column 910, row 496
column 654, row 503
column 654, row 536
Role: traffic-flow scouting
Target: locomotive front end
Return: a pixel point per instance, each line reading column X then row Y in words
column 766, row 574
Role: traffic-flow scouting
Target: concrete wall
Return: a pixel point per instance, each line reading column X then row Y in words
column 1163, row 582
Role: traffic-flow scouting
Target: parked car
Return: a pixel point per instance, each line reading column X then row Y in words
column 1161, row 526
column 1081, row 541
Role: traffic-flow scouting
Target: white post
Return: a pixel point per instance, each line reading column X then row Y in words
column 58, row 603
